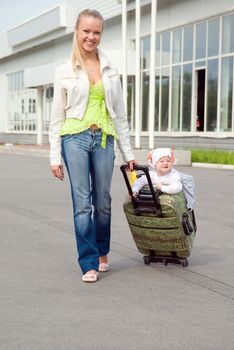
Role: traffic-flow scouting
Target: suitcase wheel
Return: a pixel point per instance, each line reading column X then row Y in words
column 185, row 263
column 146, row 260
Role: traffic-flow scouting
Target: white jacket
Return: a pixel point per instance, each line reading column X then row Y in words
column 71, row 91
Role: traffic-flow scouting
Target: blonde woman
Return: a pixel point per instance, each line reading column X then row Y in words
column 88, row 114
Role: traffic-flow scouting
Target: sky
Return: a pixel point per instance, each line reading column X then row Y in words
column 13, row 12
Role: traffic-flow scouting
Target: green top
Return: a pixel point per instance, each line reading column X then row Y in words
column 96, row 113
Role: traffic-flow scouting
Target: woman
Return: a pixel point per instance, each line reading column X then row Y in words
column 88, row 114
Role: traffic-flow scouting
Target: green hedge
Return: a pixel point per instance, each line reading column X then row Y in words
column 212, row 156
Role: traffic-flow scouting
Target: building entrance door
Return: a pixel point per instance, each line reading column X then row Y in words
column 200, row 99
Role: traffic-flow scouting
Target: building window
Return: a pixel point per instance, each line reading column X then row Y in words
column 201, row 40
column 212, row 93
column 145, row 52
column 226, row 94
column 21, row 104
column 175, row 113
column 145, row 101
column 157, row 101
column 165, row 80
column 228, row 37
column 187, row 97
column 213, row 37
column 177, row 35
column 188, row 44
column 166, row 49
column 200, row 72
column 32, row 105
column 131, row 101
column 47, row 105
column 158, row 45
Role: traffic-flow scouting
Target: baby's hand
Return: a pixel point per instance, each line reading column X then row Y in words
column 134, row 194
column 165, row 183
column 159, row 185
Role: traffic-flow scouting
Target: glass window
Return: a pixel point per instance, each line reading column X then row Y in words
column 145, row 101
column 157, row 58
column 187, row 97
column 200, row 64
column 228, row 36
column 188, row 44
column 47, row 105
column 212, row 92
column 226, row 94
column 157, row 87
column 9, row 83
column 175, row 112
column 145, row 52
column 166, row 48
column 201, row 40
column 30, row 105
column 177, row 34
column 213, row 37
column 21, row 81
column 21, row 104
column 131, row 99
column 165, row 99
column 15, row 81
column 34, row 106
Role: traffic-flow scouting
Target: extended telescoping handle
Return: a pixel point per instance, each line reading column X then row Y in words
column 124, row 168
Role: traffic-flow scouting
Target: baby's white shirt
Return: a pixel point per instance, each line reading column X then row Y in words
column 171, row 182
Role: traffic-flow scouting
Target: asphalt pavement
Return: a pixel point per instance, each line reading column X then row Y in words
column 44, row 305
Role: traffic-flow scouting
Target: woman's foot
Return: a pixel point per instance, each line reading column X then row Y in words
column 103, row 264
column 90, row 276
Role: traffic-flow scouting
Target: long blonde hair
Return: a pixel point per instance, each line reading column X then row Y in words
column 76, row 53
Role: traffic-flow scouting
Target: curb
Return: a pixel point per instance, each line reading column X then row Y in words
column 213, row 166
column 37, row 152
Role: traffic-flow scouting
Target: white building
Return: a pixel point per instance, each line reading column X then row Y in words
column 179, row 65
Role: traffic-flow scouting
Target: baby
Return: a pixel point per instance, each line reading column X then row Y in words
column 163, row 176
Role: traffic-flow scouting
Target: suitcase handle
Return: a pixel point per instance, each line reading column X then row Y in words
column 124, row 168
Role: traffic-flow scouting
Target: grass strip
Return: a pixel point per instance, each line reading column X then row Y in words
column 212, row 156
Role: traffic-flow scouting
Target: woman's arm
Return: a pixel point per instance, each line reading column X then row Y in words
column 57, row 120
column 121, row 125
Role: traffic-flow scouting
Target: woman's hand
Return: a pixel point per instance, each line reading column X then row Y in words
column 131, row 164
column 57, row 171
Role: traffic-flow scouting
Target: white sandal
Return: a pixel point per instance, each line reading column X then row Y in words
column 90, row 277
column 103, row 267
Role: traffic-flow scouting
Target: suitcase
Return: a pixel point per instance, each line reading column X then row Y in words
column 162, row 226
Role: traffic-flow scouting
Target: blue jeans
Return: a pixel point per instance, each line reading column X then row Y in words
column 90, row 169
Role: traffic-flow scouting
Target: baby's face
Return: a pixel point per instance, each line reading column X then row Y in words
column 163, row 166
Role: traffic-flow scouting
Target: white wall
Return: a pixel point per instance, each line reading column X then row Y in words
column 38, row 56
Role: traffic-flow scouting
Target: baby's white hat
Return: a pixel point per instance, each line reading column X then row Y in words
column 158, row 153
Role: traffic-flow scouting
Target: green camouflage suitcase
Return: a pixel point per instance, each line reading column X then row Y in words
column 162, row 226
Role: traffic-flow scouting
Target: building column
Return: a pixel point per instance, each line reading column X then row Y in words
column 137, row 80
column 124, row 52
column 39, row 115
column 152, row 74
